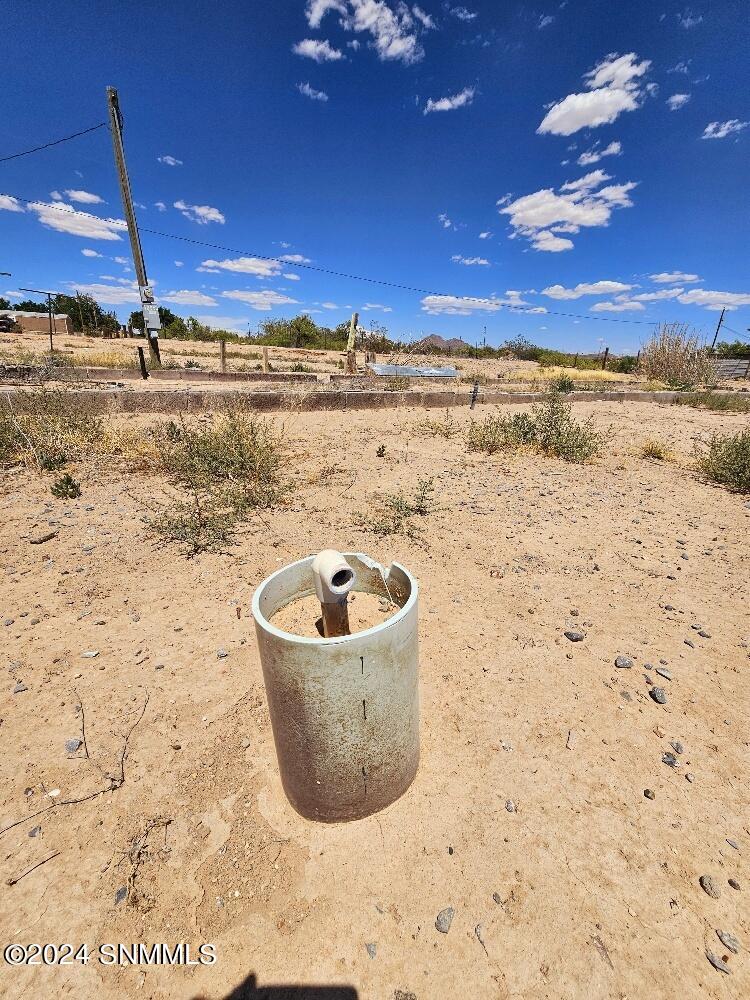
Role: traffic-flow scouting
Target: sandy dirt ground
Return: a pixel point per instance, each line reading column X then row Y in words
column 528, row 815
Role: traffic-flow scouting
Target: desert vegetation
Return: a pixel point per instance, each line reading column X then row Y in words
column 675, row 356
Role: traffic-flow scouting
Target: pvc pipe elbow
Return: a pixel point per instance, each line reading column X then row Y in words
column 333, row 577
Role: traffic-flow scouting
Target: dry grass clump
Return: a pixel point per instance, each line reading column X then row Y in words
column 727, row 461
column 225, row 473
column 396, row 513
column 446, row 428
column 674, row 356
column 545, row 376
column 652, row 448
column 722, row 402
column 550, row 429
column 41, row 429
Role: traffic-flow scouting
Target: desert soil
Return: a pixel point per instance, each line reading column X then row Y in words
column 528, row 815
column 302, row 617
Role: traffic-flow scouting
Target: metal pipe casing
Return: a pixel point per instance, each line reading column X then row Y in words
column 344, row 710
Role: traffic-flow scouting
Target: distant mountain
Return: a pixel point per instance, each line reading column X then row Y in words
column 434, row 342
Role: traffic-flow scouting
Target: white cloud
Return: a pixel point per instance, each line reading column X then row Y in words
column 87, row 252
column 463, row 14
column 179, row 263
column 543, row 215
column 124, row 261
column 292, row 277
column 311, row 92
column 295, row 258
column 720, row 130
column 65, row 219
column 330, row 305
column 455, row 305
column 617, row 307
column 369, row 306
column 677, row 101
column 243, row 265
column 316, row 10
column 595, row 154
column 202, row 214
column 663, row 293
column 231, row 323
column 470, row 261
column 84, row 197
column 8, row 204
column 394, row 34
column 169, row 161
column 460, row 100
column 486, row 235
column 681, row 67
column 544, row 21
column 160, row 205
column 673, row 277
column 110, row 295
column 445, row 222
column 262, row 301
column 186, row 297
column 715, row 300
column 585, row 288
column 318, row 49
column 687, row 19
column 614, row 86
column 55, row 196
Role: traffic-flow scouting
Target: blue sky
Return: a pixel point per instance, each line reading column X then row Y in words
column 586, row 158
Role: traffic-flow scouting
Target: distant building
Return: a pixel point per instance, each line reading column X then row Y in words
column 29, row 322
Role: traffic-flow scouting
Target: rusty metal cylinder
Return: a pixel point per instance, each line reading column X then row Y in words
column 344, row 710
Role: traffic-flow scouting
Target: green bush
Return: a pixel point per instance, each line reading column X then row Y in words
column 720, row 401
column 226, row 471
column 727, row 461
column 549, row 429
column 396, row 513
column 66, row 488
column 563, row 383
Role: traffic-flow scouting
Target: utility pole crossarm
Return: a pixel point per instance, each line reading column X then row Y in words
column 151, row 322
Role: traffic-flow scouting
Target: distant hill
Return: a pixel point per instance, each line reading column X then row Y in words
column 434, row 342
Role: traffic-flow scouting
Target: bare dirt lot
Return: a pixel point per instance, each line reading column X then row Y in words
column 528, row 815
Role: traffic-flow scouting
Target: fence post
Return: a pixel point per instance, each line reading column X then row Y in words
column 265, row 360
column 222, row 356
column 604, row 359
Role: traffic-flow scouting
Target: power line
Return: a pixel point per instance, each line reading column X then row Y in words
column 495, row 303
column 55, row 142
column 737, row 333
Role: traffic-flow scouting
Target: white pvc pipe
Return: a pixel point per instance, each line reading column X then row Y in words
column 333, row 577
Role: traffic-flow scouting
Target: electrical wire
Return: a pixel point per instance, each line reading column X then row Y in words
column 742, row 336
column 493, row 302
column 55, row 142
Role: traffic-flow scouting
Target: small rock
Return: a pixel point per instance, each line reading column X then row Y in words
column 20, row 688
column 624, row 662
column 176, row 746
column 575, row 636
column 574, row 612
column 734, row 883
column 659, row 695
column 729, row 941
column 717, row 962
column 34, row 621
column 663, row 672
column 510, row 805
column 121, row 894
column 35, row 831
column 246, row 744
column 689, row 776
column 703, row 634
column 649, row 793
column 219, row 903
column 371, row 949
column 709, row 886
column 89, row 654
column 658, row 731
column 677, row 746
column 221, row 654
column 669, row 607
column 497, row 898
column 670, row 760
column 444, row 920
column 733, row 843
column 73, row 746
column 8, row 622
column 684, row 555
column 689, row 642
column 648, row 666
column 46, row 537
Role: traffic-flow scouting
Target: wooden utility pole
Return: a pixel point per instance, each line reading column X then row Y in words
column 151, row 322
column 604, row 359
column 351, row 357
column 222, row 356
column 718, row 327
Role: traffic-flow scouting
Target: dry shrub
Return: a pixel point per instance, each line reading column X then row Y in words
column 550, row 429
column 723, row 402
column 652, row 448
column 40, row 428
column 397, row 511
column 225, row 473
column 727, row 461
column 674, row 356
column 446, row 428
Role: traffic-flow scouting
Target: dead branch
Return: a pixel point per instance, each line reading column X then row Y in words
column 17, row 878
